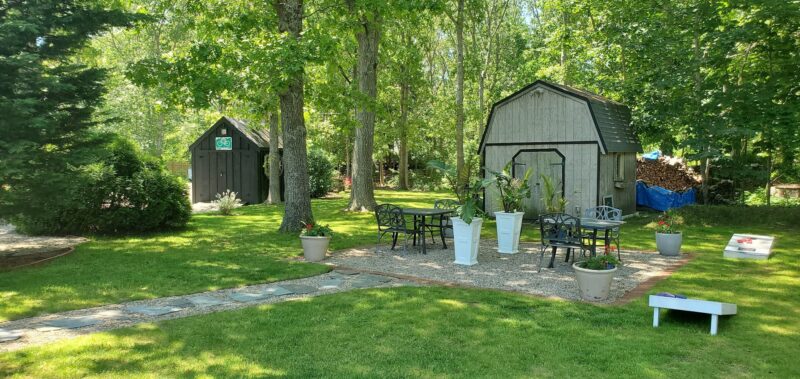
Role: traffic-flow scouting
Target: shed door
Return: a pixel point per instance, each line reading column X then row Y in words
column 549, row 163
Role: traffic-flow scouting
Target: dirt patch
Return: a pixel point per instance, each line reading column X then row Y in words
column 17, row 250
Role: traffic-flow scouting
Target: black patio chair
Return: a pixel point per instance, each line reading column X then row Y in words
column 391, row 219
column 560, row 230
column 445, row 224
column 604, row 212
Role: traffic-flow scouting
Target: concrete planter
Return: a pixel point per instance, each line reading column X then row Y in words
column 594, row 284
column 669, row 243
column 509, row 226
column 314, row 248
column 466, row 238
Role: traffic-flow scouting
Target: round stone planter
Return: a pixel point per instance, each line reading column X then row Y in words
column 669, row 243
column 314, row 248
column 509, row 226
column 594, row 285
column 466, row 238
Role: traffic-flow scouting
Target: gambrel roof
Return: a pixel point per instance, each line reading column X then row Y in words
column 612, row 119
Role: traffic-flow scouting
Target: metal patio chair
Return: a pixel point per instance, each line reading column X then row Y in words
column 391, row 219
column 605, row 212
column 560, row 230
column 444, row 221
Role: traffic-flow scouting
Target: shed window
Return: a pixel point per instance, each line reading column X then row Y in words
column 619, row 166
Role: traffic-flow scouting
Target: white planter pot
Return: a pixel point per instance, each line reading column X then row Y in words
column 594, row 284
column 509, row 226
column 669, row 243
column 314, row 248
column 466, row 238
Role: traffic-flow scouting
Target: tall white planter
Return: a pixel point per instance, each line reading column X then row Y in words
column 466, row 238
column 509, row 226
column 669, row 243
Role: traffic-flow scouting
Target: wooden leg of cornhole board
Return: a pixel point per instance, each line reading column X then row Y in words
column 714, row 324
column 655, row 317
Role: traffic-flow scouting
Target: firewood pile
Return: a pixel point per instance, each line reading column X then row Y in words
column 667, row 172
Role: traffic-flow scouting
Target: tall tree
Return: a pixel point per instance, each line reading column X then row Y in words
column 368, row 34
column 295, row 153
column 459, row 26
column 46, row 99
column 274, row 159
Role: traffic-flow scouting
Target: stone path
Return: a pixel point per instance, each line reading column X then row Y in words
column 53, row 327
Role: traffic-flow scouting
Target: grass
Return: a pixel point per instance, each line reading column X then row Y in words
column 213, row 252
column 453, row 332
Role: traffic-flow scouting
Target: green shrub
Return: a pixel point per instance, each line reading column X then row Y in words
column 122, row 191
column 320, row 173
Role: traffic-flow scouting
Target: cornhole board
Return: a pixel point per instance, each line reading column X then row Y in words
column 713, row 308
column 749, row 246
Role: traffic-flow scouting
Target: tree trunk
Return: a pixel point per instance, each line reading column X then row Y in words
column 274, row 160
column 362, row 196
column 460, row 87
column 402, row 172
column 295, row 156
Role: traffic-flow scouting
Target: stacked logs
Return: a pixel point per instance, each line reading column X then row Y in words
column 667, row 172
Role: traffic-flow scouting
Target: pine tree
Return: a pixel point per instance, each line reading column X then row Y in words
column 46, row 98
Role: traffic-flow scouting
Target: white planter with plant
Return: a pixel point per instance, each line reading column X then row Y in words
column 466, row 240
column 668, row 238
column 315, row 239
column 595, row 276
column 468, row 219
column 509, row 222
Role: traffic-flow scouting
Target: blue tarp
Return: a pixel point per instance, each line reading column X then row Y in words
column 653, row 155
column 662, row 199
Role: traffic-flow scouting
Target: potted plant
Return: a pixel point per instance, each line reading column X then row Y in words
column 509, row 222
column 468, row 219
column 668, row 237
column 315, row 239
column 594, row 276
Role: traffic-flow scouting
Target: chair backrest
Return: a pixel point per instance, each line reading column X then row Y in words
column 604, row 212
column 559, row 227
column 448, row 204
column 389, row 216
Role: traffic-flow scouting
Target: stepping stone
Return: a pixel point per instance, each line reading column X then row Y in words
column 329, row 284
column 68, row 323
column 9, row 335
column 345, row 271
column 205, row 301
column 179, row 303
column 244, row 297
column 299, row 288
column 365, row 284
column 110, row 313
column 152, row 310
column 277, row 291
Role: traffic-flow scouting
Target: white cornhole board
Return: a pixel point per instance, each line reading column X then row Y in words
column 713, row 308
column 749, row 246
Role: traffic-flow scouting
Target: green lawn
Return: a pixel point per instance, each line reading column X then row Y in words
column 213, row 252
column 452, row 332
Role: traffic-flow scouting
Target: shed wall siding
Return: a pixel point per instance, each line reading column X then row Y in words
column 624, row 198
column 549, row 117
column 580, row 172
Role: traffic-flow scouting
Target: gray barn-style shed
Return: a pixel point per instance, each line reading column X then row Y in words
column 230, row 156
column 584, row 142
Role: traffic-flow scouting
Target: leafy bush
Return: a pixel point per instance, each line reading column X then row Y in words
column 320, row 173
column 226, row 202
column 121, row 191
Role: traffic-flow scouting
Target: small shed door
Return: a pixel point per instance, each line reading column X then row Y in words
column 543, row 162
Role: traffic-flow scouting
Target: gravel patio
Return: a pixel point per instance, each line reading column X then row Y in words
column 516, row 272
